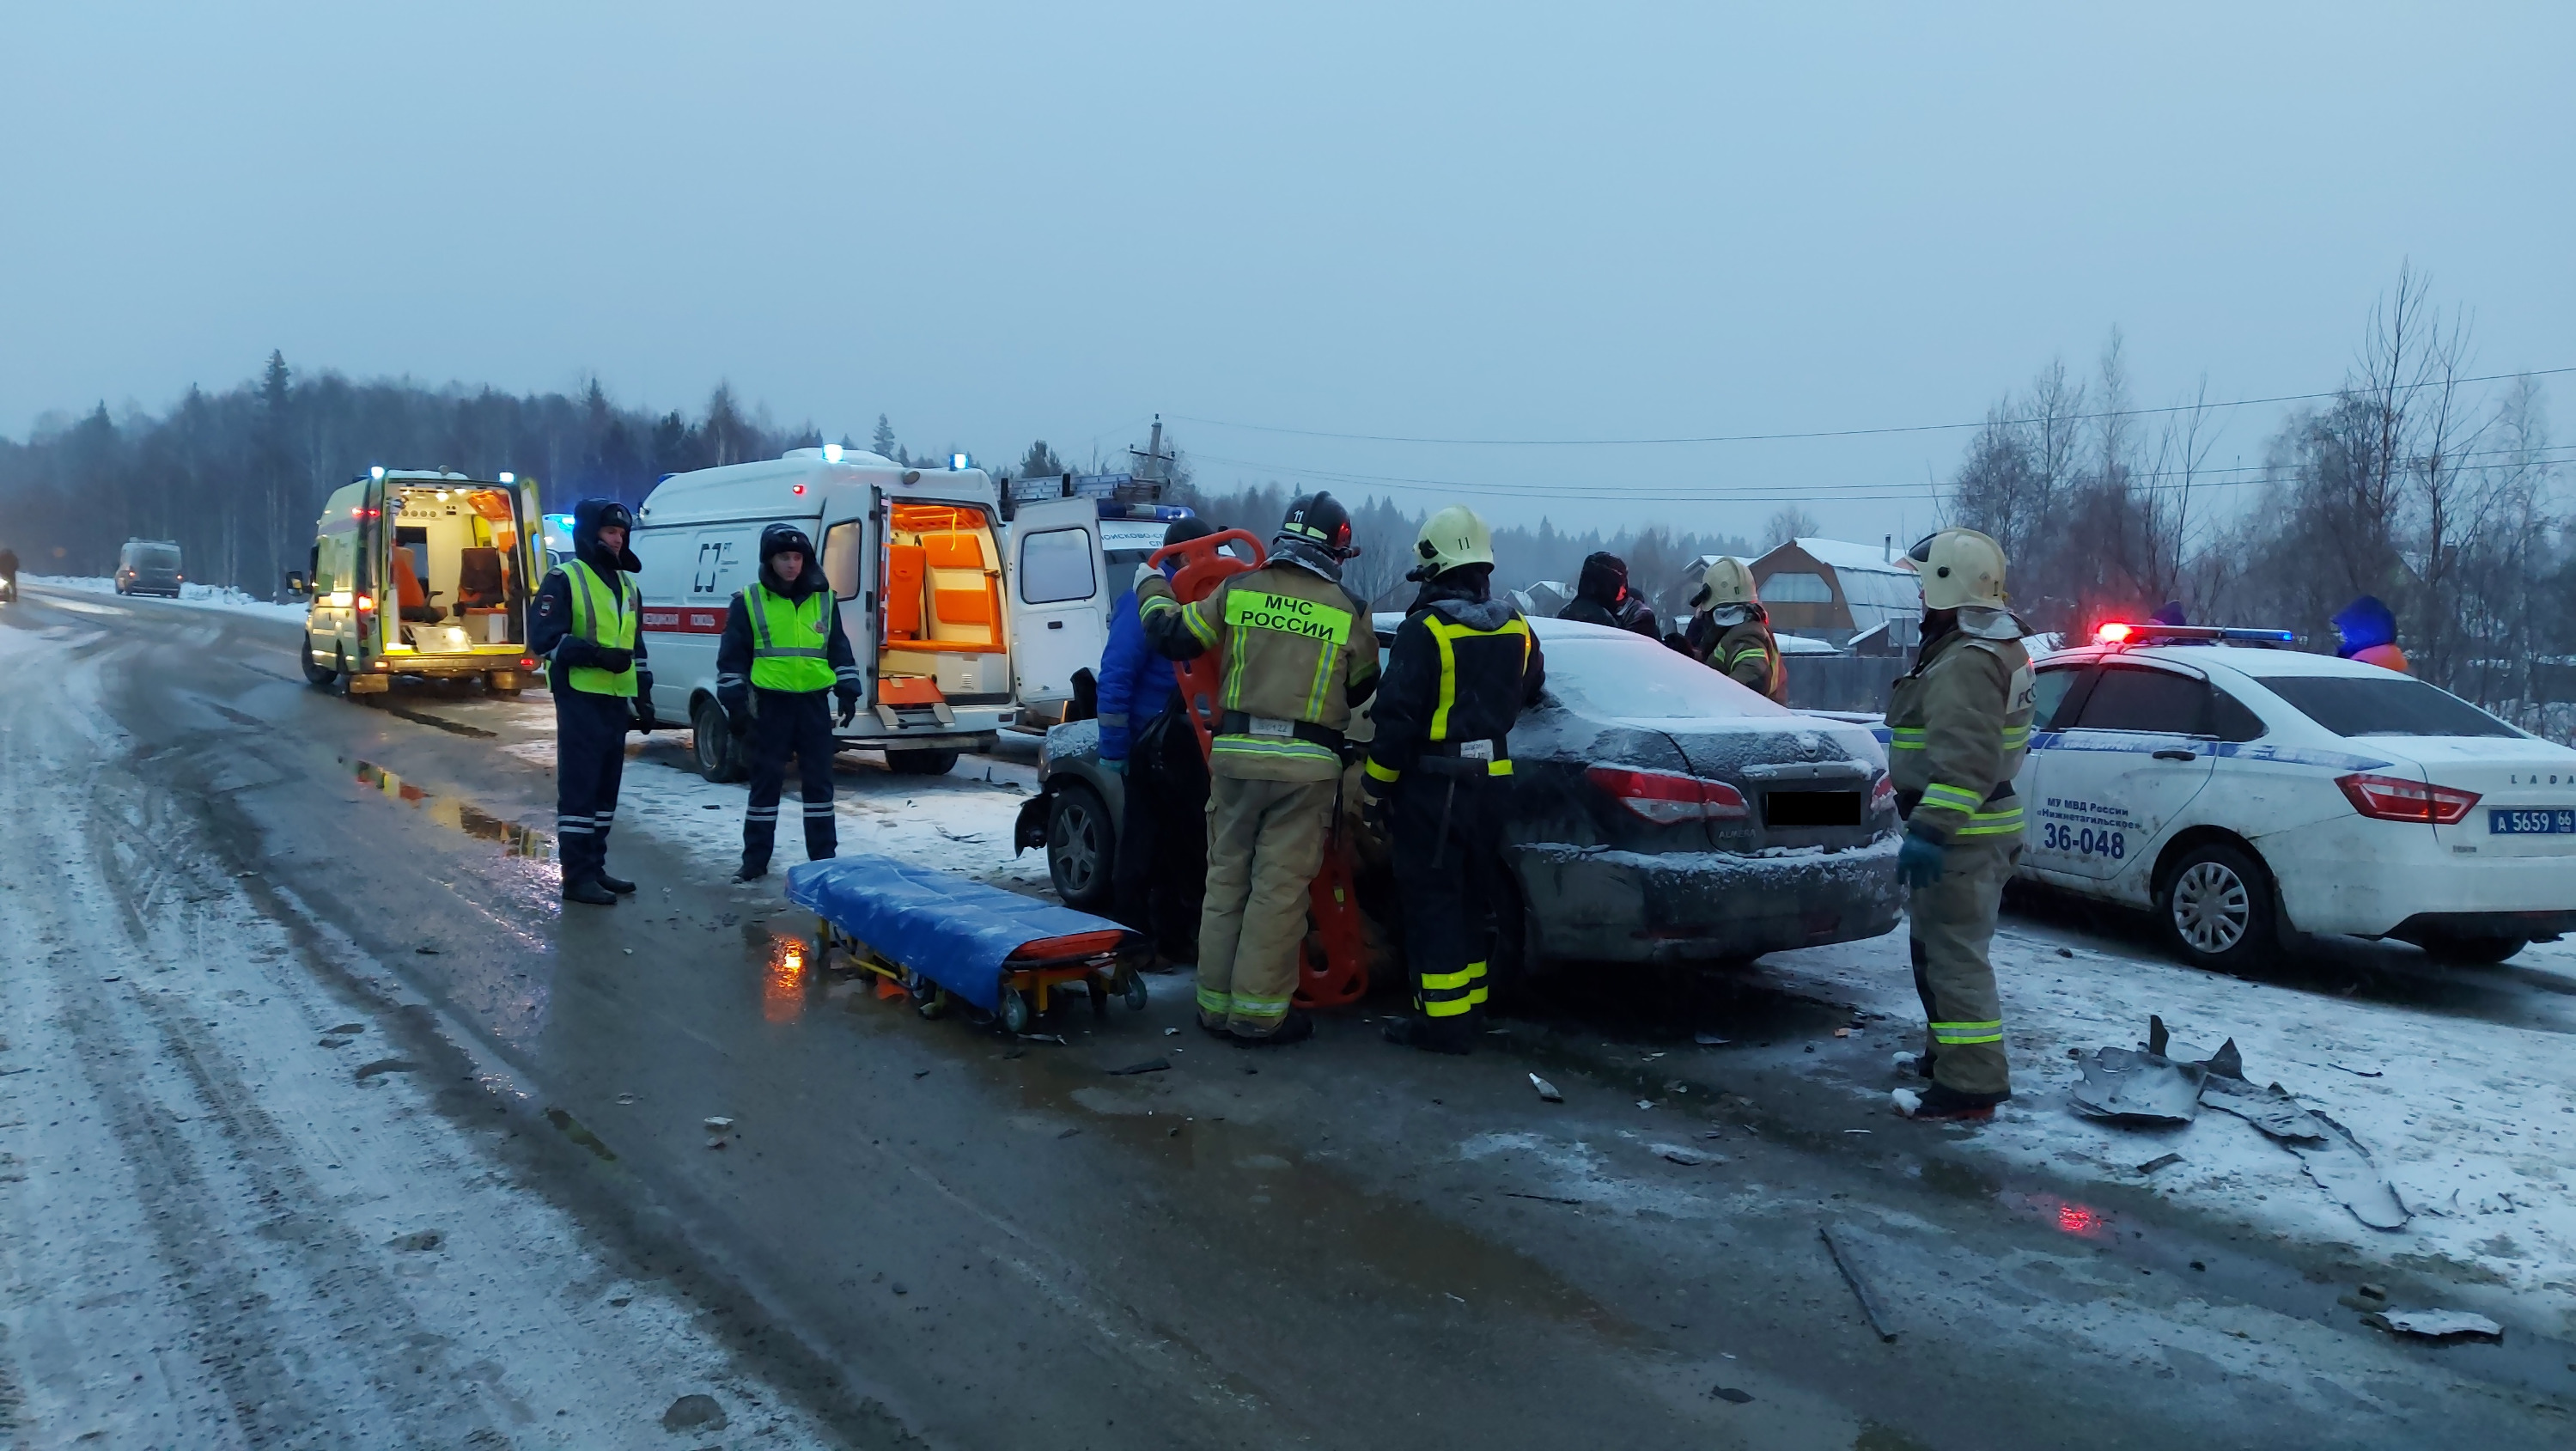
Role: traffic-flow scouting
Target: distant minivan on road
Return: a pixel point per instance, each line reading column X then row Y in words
column 148, row 567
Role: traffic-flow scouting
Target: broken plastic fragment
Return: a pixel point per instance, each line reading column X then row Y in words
column 719, row 1125
column 2438, row 1324
column 2138, row 1088
column 1546, row 1090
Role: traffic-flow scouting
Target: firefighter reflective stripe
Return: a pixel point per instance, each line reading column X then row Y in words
column 597, row 602
column 1749, row 652
column 1377, row 772
column 1212, row 1002
column 2017, row 738
column 1274, row 748
column 1445, row 635
column 1498, row 768
column 1191, row 616
column 1290, row 614
column 788, row 647
column 1906, row 738
column 1993, row 823
column 1952, row 1035
column 1245, row 1007
column 1957, row 798
column 1450, row 994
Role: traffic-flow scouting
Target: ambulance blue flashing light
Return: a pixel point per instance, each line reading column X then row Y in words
column 959, row 461
column 508, row 477
column 831, row 453
column 377, row 472
column 1112, row 509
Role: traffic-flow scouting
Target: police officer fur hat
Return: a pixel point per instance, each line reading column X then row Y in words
column 592, row 515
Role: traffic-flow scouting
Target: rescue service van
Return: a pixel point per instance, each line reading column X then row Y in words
column 426, row 574
column 912, row 556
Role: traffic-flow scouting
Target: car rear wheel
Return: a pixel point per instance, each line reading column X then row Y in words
column 2473, row 951
column 920, row 763
column 317, row 676
column 1081, row 847
column 711, row 741
column 2216, row 908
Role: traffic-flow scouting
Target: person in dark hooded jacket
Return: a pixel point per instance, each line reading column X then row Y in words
column 585, row 621
column 1602, row 597
column 783, row 652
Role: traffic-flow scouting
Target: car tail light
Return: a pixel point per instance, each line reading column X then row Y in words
column 2386, row 798
column 1666, row 800
column 1882, row 797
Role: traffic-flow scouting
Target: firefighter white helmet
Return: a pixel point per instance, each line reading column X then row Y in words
column 1450, row 539
column 1961, row 569
column 1727, row 581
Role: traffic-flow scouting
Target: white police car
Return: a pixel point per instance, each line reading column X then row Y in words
column 2240, row 792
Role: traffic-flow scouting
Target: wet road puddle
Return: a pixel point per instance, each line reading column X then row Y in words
column 455, row 813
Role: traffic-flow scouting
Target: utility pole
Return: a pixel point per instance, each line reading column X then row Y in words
column 1152, row 466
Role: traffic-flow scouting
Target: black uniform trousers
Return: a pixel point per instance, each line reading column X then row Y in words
column 590, row 760
column 1448, row 874
column 790, row 721
column 1160, row 881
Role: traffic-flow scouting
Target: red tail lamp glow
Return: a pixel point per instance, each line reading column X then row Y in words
column 2387, row 798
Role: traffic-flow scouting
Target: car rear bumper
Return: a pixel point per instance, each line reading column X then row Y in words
column 1590, row 904
column 2369, row 879
column 2456, row 926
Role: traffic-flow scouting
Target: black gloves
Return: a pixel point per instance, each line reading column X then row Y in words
column 611, row 659
column 645, row 720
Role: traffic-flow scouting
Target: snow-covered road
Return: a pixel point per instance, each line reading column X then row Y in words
column 229, row 1215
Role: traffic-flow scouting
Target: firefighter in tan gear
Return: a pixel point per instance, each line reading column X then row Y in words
column 1461, row 668
column 1298, row 654
column 1731, row 632
column 1959, row 724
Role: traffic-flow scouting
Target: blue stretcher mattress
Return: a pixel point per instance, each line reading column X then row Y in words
column 946, row 928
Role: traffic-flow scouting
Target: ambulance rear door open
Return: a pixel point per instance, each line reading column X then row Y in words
column 938, row 633
column 1057, row 583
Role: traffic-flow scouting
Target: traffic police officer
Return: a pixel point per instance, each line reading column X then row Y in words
column 1298, row 654
column 1731, row 634
column 783, row 652
column 585, row 621
column 1959, row 724
column 1462, row 666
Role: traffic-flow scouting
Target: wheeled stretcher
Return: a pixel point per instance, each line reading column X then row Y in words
column 932, row 937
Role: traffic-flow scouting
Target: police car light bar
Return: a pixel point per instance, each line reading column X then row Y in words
column 2117, row 633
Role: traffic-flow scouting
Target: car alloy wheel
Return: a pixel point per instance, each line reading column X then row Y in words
column 1078, row 847
column 2211, row 908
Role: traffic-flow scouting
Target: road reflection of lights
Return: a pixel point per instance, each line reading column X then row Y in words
column 2076, row 1219
column 782, row 987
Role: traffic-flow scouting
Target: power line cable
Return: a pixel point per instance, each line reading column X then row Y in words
column 1830, row 432
column 2156, row 481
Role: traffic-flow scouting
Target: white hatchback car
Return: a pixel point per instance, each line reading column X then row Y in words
column 2241, row 793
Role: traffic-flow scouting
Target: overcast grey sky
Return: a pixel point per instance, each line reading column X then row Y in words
column 1000, row 222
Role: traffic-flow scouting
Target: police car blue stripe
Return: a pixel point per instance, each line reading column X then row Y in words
column 2128, row 744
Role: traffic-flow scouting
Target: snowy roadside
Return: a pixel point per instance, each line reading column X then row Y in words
column 229, row 1212
column 201, row 596
column 2473, row 1122
column 961, row 822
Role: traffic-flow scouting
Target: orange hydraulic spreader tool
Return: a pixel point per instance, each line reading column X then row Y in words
column 1332, row 970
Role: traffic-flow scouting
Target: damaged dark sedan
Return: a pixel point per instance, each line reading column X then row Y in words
column 1657, row 812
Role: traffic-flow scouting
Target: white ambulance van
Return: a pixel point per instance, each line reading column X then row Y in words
column 911, row 554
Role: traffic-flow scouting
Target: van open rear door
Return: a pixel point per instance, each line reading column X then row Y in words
column 1056, row 587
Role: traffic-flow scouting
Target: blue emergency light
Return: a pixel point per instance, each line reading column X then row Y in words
column 959, row 461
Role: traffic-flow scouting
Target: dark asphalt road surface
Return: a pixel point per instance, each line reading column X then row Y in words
column 928, row 1236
